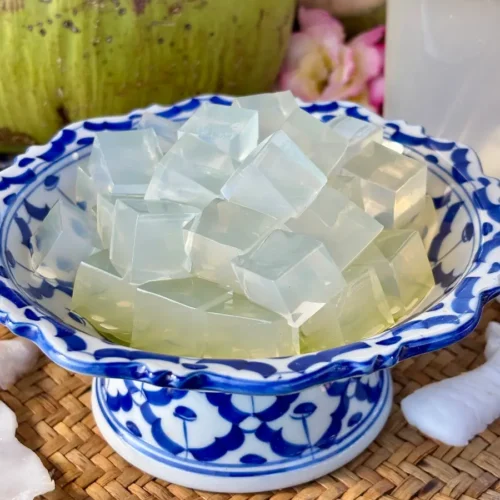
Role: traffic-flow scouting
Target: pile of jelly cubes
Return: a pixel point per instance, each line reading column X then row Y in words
column 251, row 230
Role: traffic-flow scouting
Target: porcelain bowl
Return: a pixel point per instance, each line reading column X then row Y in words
column 223, row 425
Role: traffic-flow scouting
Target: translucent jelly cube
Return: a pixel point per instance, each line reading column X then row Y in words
column 393, row 185
column 274, row 108
column 340, row 321
column 104, row 298
column 320, row 143
column 123, row 162
column 147, row 241
column 224, row 231
column 192, row 148
column 233, row 130
column 238, row 328
column 358, row 133
column 85, row 191
column 342, row 226
column 348, row 186
column 166, row 130
column 400, row 261
column 276, row 179
column 194, row 317
column 425, row 223
column 290, row 274
column 66, row 236
column 170, row 316
column 395, row 146
column 193, row 180
column 363, row 288
column 105, row 215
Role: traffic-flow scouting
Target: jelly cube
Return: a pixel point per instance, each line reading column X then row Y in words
column 190, row 178
column 340, row 321
column 233, row 130
column 400, row 261
column 105, row 215
column 290, row 274
column 426, row 222
column 348, row 186
column 147, row 241
column 104, row 298
column 239, row 328
column 321, row 144
column 393, row 185
column 65, row 237
column 363, row 288
column 171, row 315
column 123, row 162
column 395, row 146
column 204, row 154
column 276, row 179
column 193, row 317
column 166, row 130
column 357, row 133
column 274, row 108
column 224, row 231
column 85, row 191
column 341, row 225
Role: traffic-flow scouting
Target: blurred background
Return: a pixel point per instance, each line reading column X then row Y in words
column 430, row 62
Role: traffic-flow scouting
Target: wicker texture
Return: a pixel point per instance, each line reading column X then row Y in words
column 53, row 411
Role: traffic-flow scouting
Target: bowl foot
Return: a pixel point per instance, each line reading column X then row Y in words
column 238, row 443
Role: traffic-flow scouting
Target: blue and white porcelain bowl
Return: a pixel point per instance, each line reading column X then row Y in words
column 248, row 425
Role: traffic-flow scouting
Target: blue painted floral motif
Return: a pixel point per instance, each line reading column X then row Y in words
column 465, row 254
column 224, row 433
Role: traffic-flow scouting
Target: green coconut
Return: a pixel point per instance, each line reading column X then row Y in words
column 66, row 60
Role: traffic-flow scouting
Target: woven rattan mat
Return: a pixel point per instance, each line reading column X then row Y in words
column 53, row 411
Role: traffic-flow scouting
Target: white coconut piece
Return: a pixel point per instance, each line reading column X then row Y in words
column 17, row 357
column 22, row 474
column 455, row 410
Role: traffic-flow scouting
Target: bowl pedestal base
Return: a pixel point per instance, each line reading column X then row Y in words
column 239, row 443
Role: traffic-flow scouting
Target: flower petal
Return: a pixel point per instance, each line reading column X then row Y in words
column 300, row 45
column 309, row 18
column 370, row 37
column 300, row 87
column 369, row 62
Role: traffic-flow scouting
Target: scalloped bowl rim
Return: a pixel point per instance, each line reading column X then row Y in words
column 275, row 375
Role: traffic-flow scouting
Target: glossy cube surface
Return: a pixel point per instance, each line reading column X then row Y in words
column 290, row 274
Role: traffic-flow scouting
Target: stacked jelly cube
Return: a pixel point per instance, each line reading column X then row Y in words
column 253, row 230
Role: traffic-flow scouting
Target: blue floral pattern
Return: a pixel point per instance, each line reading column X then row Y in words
column 465, row 255
column 222, row 434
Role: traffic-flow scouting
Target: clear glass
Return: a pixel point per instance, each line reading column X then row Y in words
column 442, row 71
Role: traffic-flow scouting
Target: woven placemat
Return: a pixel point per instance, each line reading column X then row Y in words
column 53, row 411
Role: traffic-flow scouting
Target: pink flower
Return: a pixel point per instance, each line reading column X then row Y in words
column 320, row 65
